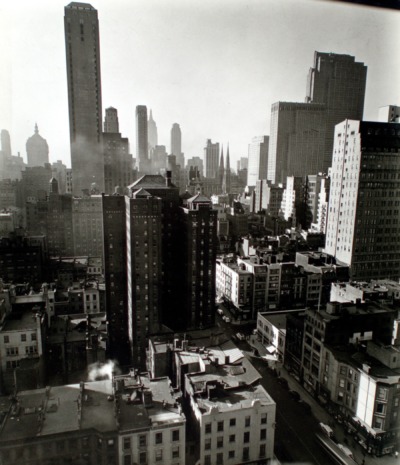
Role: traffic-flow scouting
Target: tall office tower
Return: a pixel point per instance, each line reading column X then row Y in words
column 339, row 82
column 211, row 153
column 221, row 169
column 35, row 183
column 84, row 95
column 37, row 149
column 363, row 218
column 118, row 162
column 316, row 196
column 5, row 143
column 152, row 136
column 257, row 167
column 144, row 265
column 176, row 145
column 301, row 137
column 242, row 163
column 142, row 146
column 226, row 181
column 111, row 123
column 159, row 158
column 389, row 114
column 198, row 162
column 115, row 275
column 199, row 250
column 59, row 172
column 297, row 140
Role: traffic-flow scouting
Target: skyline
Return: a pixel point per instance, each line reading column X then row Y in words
column 216, row 82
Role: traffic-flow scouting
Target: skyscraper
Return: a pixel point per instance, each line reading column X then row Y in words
column 301, row 136
column 118, row 162
column 221, row 169
column 226, row 181
column 152, row 132
column 37, row 149
column 363, row 217
column 142, row 147
column 211, row 153
column 257, row 167
column 84, row 95
column 176, row 144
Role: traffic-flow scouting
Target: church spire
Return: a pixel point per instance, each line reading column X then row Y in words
column 36, row 129
column 221, row 168
column 226, row 180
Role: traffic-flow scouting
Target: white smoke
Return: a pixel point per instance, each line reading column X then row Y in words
column 98, row 371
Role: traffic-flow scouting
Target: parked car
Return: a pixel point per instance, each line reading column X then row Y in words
column 226, row 319
column 240, row 336
column 220, row 311
column 294, row 395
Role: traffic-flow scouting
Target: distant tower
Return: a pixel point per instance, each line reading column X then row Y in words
column 152, row 132
column 226, row 183
column 142, row 158
column 111, row 120
column 221, row 168
column 211, row 153
column 53, row 188
column 84, row 95
column 258, row 160
column 5, row 143
column 37, row 149
column 176, row 144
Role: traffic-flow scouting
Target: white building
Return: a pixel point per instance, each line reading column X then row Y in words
column 258, row 160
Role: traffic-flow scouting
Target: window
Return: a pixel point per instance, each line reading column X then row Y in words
column 341, row 382
column 10, row 351
column 232, row 438
column 247, row 422
column 262, row 450
column 127, row 459
column 208, row 428
column 382, row 393
column 220, row 426
column 246, row 453
column 232, row 422
column 263, row 434
column 143, row 457
column 23, row 337
column 6, row 339
column 175, row 452
column 158, row 455
column 175, row 435
column 343, row 370
column 220, row 458
column 127, row 443
column 220, row 442
column 207, row 444
column 33, row 336
column 246, row 437
column 231, row 454
column 263, row 418
column 142, row 440
column 158, row 438
column 207, row 460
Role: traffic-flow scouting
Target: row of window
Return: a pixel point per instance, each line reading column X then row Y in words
column 6, row 338
column 231, row 455
column 232, row 423
column 232, row 439
column 158, row 439
column 143, row 456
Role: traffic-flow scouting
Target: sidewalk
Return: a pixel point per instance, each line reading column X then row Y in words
column 323, row 416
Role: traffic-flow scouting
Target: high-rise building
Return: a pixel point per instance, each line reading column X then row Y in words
column 221, row 168
column 363, row 217
column 144, row 264
column 115, row 275
column 211, row 154
column 118, row 162
column 84, row 95
column 199, row 250
column 301, row 136
column 152, row 136
column 257, row 168
column 5, row 143
column 142, row 146
column 297, row 140
column 59, row 172
column 176, row 144
column 37, row 149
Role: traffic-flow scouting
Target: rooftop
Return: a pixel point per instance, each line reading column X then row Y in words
column 20, row 322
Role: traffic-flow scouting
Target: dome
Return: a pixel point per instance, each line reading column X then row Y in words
column 37, row 149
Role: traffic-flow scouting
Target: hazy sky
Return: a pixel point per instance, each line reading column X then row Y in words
column 213, row 66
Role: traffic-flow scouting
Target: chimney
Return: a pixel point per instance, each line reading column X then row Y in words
column 168, row 181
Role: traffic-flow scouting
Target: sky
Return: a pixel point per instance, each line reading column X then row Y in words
column 213, row 67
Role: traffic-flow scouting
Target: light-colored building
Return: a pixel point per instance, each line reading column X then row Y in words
column 257, row 160
column 211, row 162
column 389, row 114
column 363, row 218
column 271, row 332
